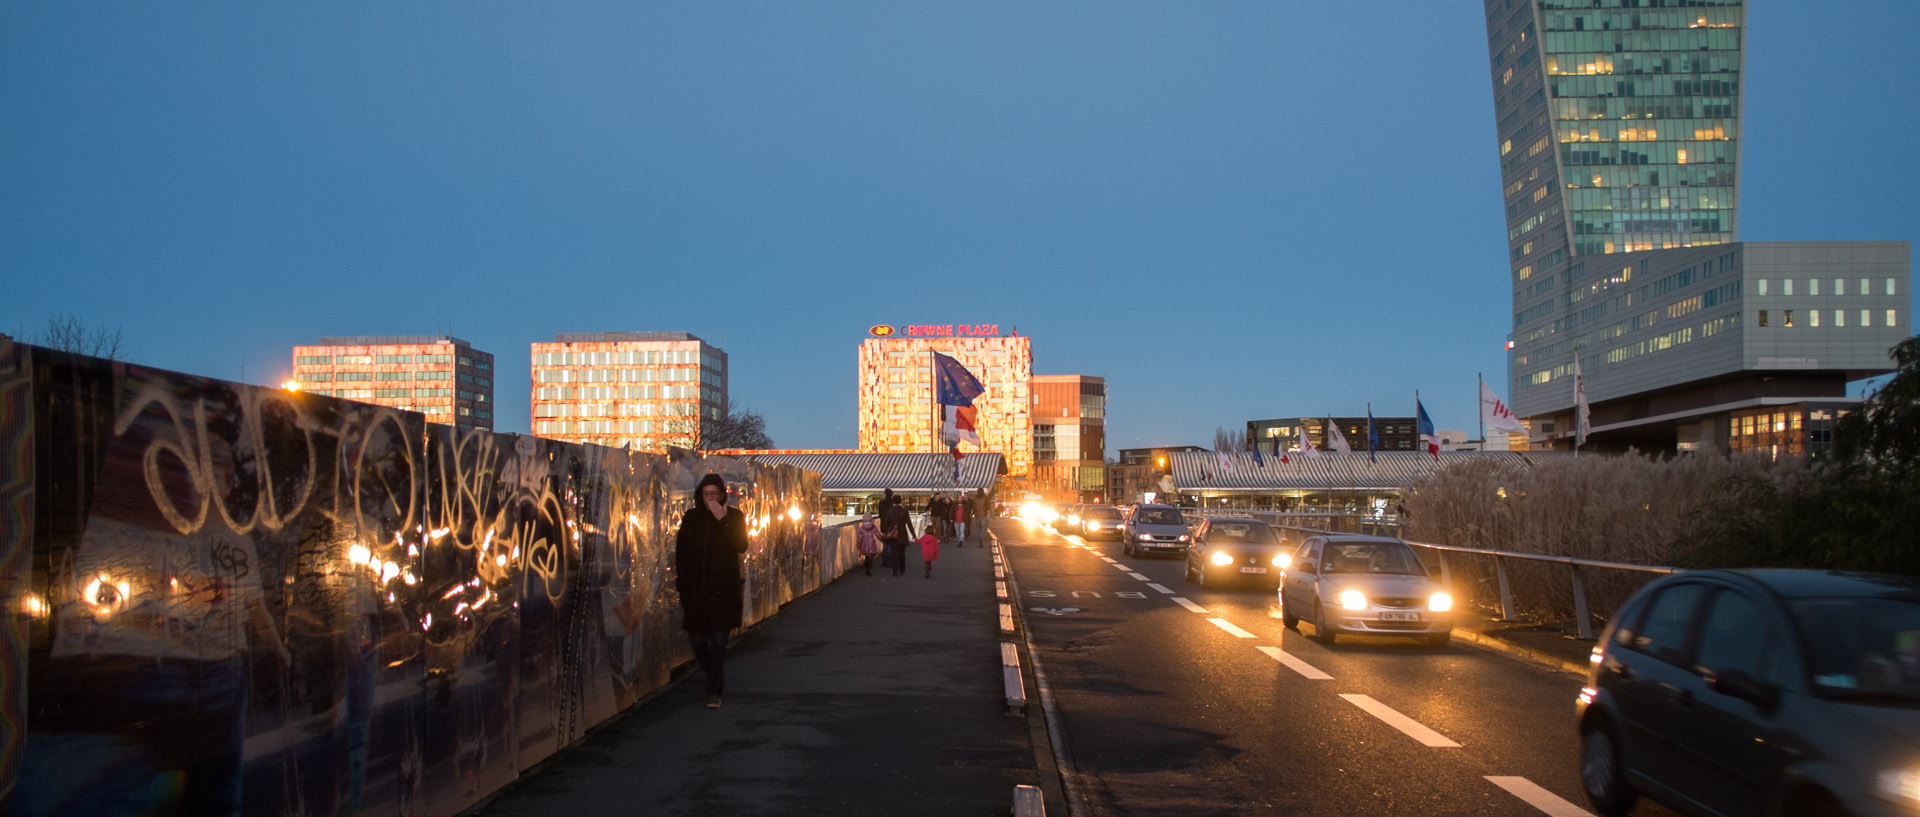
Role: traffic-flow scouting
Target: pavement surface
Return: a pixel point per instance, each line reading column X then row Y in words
column 873, row 695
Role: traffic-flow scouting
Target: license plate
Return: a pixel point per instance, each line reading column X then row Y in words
column 1253, row 570
column 1399, row 616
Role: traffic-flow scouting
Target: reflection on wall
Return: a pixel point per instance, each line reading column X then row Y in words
column 233, row 599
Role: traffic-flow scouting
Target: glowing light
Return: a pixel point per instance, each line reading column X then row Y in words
column 34, row 606
column 793, row 513
column 1440, row 602
column 413, row 551
column 427, row 623
column 1221, row 557
column 1282, row 561
column 359, row 554
column 388, row 571
column 1587, row 693
column 291, row 385
column 1353, row 600
column 409, row 578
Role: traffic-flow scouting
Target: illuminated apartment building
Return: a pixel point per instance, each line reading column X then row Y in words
column 645, row 390
column 442, row 377
column 897, row 412
column 1069, row 437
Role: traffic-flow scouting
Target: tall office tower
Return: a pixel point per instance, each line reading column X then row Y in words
column 442, row 377
column 645, row 390
column 1069, row 437
column 1618, row 125
column 897, row 410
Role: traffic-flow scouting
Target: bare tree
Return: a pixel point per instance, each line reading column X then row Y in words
column 66, row 333
column 742, row 428
column 1229, row 440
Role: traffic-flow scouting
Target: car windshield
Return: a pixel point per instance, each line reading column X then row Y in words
column 1862, row 648
column 1252, row 533
column 1372, row 557
column 1159, row 516
column 1100, row 513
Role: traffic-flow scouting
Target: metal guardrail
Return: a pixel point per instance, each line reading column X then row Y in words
column 1500, row 560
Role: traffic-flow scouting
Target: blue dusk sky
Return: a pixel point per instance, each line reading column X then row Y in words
column 1230, row 210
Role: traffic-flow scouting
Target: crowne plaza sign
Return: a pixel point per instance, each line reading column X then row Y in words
column 936, row 330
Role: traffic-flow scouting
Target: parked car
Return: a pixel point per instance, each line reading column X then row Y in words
column 1736, row 692
column 1232, row 549
column 1363, row 585
column 1101, row 522
column 1155, row 529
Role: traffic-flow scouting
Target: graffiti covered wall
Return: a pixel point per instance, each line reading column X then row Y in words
column 230, row 599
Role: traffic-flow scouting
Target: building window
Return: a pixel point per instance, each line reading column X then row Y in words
column 1813, row 286
column 1890, row 320
column 1839, row 286
column 1761, row 288
column 1839, row 317
column 1786, row 286
column 1787, row 319
column 1890, row 286
column 1866, row 318
column 1813, row 317
column 1763, row 317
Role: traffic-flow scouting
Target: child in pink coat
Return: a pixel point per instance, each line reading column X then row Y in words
column 929, row 551
column 867, row 541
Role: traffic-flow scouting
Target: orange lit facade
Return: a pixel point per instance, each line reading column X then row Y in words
column 645, row 390
column 897, row 411
column 442, row 377
column 1069, row 437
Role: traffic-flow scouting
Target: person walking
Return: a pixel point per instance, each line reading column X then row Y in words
column 962, row 508
column 707, row 573
column 896, row 530
column 867, row 541
column 929, row 551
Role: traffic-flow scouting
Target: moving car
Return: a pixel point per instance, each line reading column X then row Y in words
column 1363, row 585
column 1736, row 692
column 1155, row 529
column 1232, row 549
column 1101, row 522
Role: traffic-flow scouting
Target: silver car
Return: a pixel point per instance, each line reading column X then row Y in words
column 1370, row 585
column 1156, row 529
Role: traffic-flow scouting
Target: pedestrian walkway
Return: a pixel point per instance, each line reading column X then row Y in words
column 874, row 695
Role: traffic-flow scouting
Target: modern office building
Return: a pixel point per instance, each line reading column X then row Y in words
column 644, row 390
column 897, row 410
column 442, row 377
column 1280, row 435
column 1618, row 129
column 1144, row 474
column 1069, row 438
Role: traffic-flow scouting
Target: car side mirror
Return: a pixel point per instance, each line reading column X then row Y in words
column 1306, row 567
column 1735, row 683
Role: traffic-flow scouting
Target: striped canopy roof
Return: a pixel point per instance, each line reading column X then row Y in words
column 1200, row 471
column 904, row 473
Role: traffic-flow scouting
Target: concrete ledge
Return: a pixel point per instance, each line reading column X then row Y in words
column 1000, row 590
column 1027, row 802
column 1006, row 619
column 1521, row 651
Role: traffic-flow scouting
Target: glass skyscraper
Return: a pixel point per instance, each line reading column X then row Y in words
column 1618, row 128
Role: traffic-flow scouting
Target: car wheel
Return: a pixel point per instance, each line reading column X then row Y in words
column 1203, row 574
column 1602, row 773
column 1438, row 639
column 1287, row 618
column 1186, row 571
column 1321, row 632
column 1126, row 548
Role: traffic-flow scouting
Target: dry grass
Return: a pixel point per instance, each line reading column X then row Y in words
column 1632, row 508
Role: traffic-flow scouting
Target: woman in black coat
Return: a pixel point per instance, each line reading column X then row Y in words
column 707, row 573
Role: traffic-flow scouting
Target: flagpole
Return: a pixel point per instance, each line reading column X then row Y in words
column 1480, row 378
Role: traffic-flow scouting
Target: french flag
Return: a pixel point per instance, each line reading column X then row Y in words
column 1426, row 429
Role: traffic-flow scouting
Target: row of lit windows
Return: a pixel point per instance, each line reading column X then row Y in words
column 1692, row 40
column 1586, row 154
column 1637, row 19
column 1642, row 347
column 1673, row 199
column 1578, row 109
column 1588, row 63
column 1602, row 245
column 1717, row 180
column 616, row 410
column 322, row 377
column 366, row 360
column 615, row 375
column 611, row 426
column 1812, row 286
column 1811, row 318
column 1614, row 130
column 627, row 358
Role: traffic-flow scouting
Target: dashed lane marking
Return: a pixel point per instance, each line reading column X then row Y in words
column 1411, row 727
column 1293, row 662
column 1537, row 797
column 1188, row 604
column 1162, row 588
column 1138, row 576
column 1230, row 627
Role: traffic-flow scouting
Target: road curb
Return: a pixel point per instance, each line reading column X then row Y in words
column 1540, row 657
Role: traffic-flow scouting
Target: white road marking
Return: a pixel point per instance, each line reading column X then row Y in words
column 1229, row 627
column 1138, row 576
column 1162, row 588
column 1293, row 662
column 1537, row 797
column 1401, row 722
column 1123, row 567
column 1098, row 553
column 1189, row 605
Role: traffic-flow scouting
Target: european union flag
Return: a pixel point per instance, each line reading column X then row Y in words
column 953, row 385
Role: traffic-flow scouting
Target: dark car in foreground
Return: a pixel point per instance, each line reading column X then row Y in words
column 1234, row 550
column 1757, row 692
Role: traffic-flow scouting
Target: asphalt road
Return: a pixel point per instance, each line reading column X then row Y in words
column 1173, row 699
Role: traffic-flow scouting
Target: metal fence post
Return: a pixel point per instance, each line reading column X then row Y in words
column 1506, row 591
column 1580, row 604
column 1446, row 576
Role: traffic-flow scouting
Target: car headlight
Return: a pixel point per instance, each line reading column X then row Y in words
column 1092, row 525
column 1900, row 786
column 1221, row 558
column 1183, row 538
column 1146, row 537
column 1282, row 561
column 1439, row 602
column 1073, row 519
column 1353, row 600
